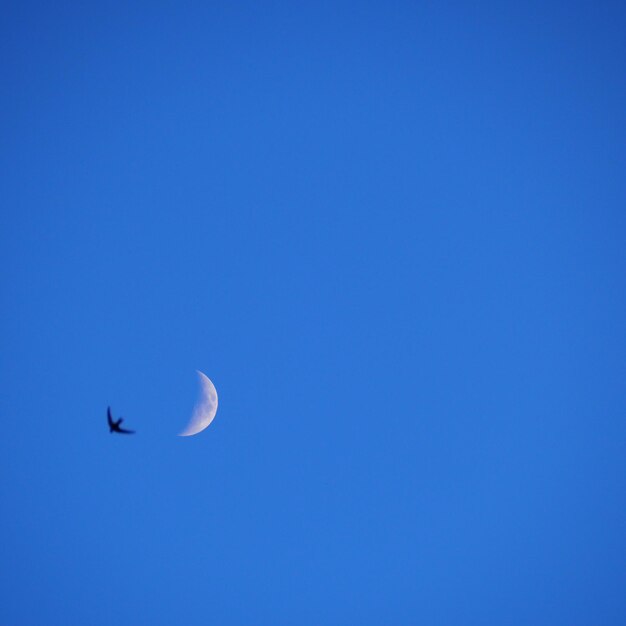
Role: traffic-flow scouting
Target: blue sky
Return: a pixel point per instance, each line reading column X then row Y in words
column 393, row 236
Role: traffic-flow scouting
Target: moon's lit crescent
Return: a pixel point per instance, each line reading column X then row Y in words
column 205, row 409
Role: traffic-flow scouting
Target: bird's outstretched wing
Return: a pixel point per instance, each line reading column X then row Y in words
column 115, row 426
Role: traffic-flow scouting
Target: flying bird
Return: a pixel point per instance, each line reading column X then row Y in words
column 114, row 426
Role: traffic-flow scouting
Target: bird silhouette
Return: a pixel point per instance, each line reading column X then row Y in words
column 114, row 426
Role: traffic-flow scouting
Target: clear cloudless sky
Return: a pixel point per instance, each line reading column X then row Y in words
column 393, row 234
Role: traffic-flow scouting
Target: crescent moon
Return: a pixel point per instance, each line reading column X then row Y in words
column 205, row 409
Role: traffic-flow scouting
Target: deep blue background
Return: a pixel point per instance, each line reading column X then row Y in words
column 392, row 234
